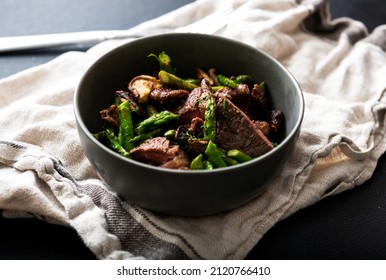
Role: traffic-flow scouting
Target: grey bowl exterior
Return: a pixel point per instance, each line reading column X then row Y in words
column 185, row 192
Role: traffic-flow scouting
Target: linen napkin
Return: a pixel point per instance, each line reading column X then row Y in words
column 338, row 64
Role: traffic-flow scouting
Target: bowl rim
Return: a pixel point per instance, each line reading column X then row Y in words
column 277, row 149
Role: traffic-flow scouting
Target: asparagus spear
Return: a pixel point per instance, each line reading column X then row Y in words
column 197, row 162
column 216, row 88
column 170, row 134
column 174, row 81
column 144, row 136
column 108, row 137
column 214, row 155
column 225, row 81
column 208, row 165
column 238, row 156
column 210, row 120
column 126, row 129
column 232, row 83
column 230, row 161
column 262, row 85
column 243, row 79
column 156, row 121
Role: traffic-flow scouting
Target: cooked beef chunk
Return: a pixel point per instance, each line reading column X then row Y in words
column 261, row 100
column 191, row 107
column 196, row 126
column 205, row 86
column 178, row 162
column 242, row 98
column 197, row 146
column 263, row 126
column 235, row 130
column 276, row 122
column 248, row 107
column 226, row 92
column 242, row 90
column 275, row 118
column 110, row 116
column 123, row 95
column 159, row 151
column 165, row 95
column 194, row 105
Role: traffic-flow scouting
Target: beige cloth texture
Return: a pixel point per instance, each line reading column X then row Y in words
column 338, row 64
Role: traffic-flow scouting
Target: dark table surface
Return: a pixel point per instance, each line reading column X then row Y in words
column 351, row 225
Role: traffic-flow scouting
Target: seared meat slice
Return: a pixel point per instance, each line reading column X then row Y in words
column 264, row 127
column 225, row 92
column 235, row 130
column 197, row 146
column 196, row 126
column 195, row 104
column 241, row 91
column 110, row 116
column 242, row 98
column 177, row 162
column 165, row 95
column 255, row 104
column 276, row 124
column 276, row 120
column 158, row 151
column 261, row 100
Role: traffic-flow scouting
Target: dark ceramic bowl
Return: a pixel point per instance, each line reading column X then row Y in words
column 185, row 192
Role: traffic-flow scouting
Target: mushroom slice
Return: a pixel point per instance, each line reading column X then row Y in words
column 142, row 85
column 202, row 75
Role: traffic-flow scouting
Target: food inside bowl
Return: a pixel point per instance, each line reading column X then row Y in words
column 211, row 121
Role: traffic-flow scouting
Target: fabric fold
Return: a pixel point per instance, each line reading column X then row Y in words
column 339, row 66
